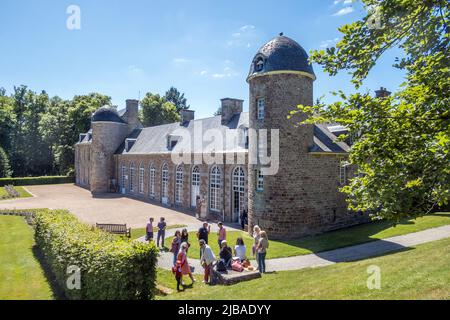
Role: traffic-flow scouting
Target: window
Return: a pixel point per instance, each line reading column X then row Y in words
column 215, row 184
column 179, row 184
column 152, row 181
column 259, row 64
column 238, row 192
column 195, row 185
column 123, row 176
column 132, row 177
column 343, row 171
column 260, row 106
column 259, row 181
column 164, row 183
column 141, row 179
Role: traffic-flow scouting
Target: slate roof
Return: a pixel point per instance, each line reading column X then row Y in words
column 154, row 139
column 281, row 54
column 107, row 114
column 326, row 142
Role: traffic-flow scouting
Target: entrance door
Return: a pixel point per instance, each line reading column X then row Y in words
column 238, row 191
column 195, row 186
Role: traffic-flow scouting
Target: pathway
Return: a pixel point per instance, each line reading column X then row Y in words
column 352, row 253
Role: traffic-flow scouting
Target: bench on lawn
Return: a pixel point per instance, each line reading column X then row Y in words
column 231, row 277
column 114, row 228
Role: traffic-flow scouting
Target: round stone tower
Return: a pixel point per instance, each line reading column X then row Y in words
column 108, row 132
column 280, row 78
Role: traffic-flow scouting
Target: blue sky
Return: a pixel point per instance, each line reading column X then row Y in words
column 202, row 47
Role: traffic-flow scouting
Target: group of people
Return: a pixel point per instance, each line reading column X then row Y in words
column 228, row 258
column 161, row 229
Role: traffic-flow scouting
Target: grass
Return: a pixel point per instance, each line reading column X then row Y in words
column 21, row 275
column 421, row 272
column 140, row 232
column 331, row 240
column 23, row 193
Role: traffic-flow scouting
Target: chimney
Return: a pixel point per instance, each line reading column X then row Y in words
column 382, row 93
column 187, row 115
column 132, row 113
column 229, row 108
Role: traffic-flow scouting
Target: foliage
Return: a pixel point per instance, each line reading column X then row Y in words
column 5, row 168
column 401, row 142
column 156, row 110
column 176, row 98
column 28, row 181
column 111, row 267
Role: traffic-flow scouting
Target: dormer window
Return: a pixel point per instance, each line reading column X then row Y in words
column 129, row 143
column 259, row 64
column 172, row 141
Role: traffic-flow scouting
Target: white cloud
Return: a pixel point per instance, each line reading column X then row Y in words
column 328, row 43
column 243, row 37
column 135, row 70
column 178, row 61
column 344, row 11
column 344, row 2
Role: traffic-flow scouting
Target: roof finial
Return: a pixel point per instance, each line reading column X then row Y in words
column 281, row 34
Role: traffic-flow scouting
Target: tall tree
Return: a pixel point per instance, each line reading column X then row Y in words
column 156, row 110
column 402, row 142
column 177, row 98
column 5, row 168
column 7, row 120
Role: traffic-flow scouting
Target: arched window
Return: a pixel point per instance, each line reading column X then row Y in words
column 215, row 184
column 152, row 181
column 132, row 169
column 195, row 185
column 260, row 106
column 122, row 177
column 141, row 178
column 238, row 192
column 179, row 184
column 164, row 183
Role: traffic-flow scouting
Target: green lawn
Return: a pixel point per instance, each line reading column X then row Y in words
column 21, row 275
column 140, row 232
column 418, row 273
column 23, row 193
column 331, row 240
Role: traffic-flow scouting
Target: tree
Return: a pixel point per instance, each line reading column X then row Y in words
column 156, row 110
column 177, row 98
column 401, row 142
column 7, row 119
column 5, row 168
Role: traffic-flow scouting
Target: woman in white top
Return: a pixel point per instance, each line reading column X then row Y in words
column 240, row 249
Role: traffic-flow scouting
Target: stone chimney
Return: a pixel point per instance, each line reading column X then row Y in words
column 230, row 107
column 132, row 112
column 187, row 115
column 382, row 93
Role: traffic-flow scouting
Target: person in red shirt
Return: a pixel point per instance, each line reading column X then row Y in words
column 221, row 234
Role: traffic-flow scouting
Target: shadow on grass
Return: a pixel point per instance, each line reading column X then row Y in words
column 58, row 293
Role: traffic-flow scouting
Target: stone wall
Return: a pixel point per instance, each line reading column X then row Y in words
column 303, row 197
column 157, row 161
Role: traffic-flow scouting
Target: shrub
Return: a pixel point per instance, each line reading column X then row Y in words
column 28, row 181
column 111, row 267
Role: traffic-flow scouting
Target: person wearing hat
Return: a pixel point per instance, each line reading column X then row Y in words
column 207, row 259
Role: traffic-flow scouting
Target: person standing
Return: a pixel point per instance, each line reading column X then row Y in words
column 221, row 234
column 183, row 262
column 175, row 247
column 161, row 232
column 203, row 233
column 149, row 230
column 207, row 259
column 261, row 250
column 244, row 217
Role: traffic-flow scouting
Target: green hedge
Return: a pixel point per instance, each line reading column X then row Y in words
column 111, row 267
column 28, row 181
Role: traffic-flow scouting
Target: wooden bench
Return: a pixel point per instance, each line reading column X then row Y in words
column 114, row 228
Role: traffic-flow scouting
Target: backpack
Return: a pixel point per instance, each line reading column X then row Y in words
column 237, row 266
column 221, row 266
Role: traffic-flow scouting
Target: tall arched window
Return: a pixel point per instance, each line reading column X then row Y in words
column 179, row 184
column 238, row 192
column 215, row 184
column 141, row 178
column 132, row 170
column 164, row 183
column 122, row 177
column 195, row 185
column 152, row 181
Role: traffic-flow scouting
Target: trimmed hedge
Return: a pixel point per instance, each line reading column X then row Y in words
column 111, row 267
column 28, row 181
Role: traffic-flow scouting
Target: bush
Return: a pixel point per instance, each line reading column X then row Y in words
column 28, row 181
column 111, row 267
column 5, row 168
